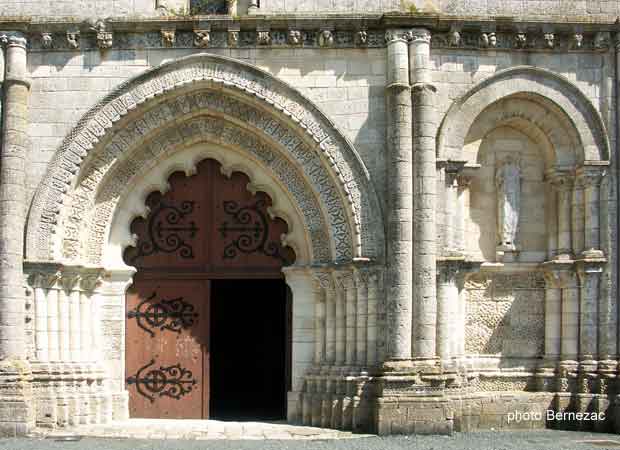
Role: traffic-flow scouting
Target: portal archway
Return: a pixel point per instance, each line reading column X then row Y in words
column 168, row 120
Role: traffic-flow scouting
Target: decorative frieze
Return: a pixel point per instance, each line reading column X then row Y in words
column 522, row 40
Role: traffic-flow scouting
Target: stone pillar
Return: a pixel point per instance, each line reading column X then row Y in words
column 553, row 315
column 563, row 184
column 321, row 280
column 447, row 305
column 361, row 345
column 399, row 201
column 349, row 296
column 570, row 315
column 16, row 406
column 578, row 219
column 589, row 277
column 341, row 335
column 13, row 201
column 424, row 191
column 590, row 179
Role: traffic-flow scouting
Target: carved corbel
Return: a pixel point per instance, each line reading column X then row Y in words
column 47, row 40
column 168, row 37
column 263, row 37
column 294, row 37
column 202, row 38
column 326, row 38
column 361, row 38
column 103, row 35
column 73, row 39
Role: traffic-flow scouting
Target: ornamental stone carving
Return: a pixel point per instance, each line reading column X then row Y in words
column 508, row 184
column 168, row 37
column 549, row 40
column 73, row 39
column 326, row 38
column 263, row 38
column 361, row 38
column 577, row 41
column 349, row 172
column 202, row 38
column 294, row 37
column 46, row 40
column 233, row 38
column 103, row 35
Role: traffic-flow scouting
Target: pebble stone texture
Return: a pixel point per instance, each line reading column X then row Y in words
column 378, row 132
column 541, row 440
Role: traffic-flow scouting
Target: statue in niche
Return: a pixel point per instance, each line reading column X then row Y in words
column 508, row 184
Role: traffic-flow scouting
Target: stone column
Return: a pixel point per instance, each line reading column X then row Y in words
column 563, row 184
column 553, row 315
column 16, row 409
column 349, row 290
column 361, row 345
column 13, row 203
column 589, row 277
column 570, row 315
column 424, row 181
column 322, row 280
column 578, row 218
column 400, row 200
column 591, row 179
column 341, row 335
column 447, row 305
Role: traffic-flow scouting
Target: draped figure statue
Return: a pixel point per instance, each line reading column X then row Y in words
column 508, row 184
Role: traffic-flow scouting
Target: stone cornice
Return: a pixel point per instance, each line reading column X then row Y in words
column 580, row 34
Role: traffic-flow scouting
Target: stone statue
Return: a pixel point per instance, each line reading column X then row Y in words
column 508, row 184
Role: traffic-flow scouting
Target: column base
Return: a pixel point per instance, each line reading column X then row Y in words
column 17, row 411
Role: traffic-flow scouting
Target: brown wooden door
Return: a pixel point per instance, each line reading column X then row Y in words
column 207, row 226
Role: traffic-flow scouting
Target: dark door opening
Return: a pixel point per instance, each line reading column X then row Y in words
column 248, row 358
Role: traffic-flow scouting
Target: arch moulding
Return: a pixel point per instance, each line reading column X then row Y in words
column 555, row 93
column 122, row 137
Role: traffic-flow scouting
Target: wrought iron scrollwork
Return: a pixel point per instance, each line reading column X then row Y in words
column 167, row 231
column 174, row 315
column 253, row 227
column 172, row 381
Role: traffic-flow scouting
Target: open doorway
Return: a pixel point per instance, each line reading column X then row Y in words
column 250, row 349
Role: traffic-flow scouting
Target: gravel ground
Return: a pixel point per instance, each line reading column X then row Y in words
column 535, row 440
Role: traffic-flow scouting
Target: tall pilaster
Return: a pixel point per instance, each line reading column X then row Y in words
column 563, row 184
column 13, row 199
column 16, row 410
column 400, row 200
column 424, row 191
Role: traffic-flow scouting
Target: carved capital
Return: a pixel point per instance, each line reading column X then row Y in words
column 70, row 281
column 44, row 280
column 590, row 177
column 602, row 40
column 91, row 281
column 561, row 181
column 418, row 36
column 488, row 40
column 344, row 279
column 549, row 40
column 324, row 279
column 392, row 36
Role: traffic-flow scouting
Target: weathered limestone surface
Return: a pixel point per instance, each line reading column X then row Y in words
column 485, row 153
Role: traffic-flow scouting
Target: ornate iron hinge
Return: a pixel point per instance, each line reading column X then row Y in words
column 174, row 315
column 172, row 381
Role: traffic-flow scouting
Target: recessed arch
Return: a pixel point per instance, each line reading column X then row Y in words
column 252, row 103
column 557, row 95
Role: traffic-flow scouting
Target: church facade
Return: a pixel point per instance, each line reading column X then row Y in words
column 377, row 216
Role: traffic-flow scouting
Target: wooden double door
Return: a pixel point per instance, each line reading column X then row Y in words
column 208, row 315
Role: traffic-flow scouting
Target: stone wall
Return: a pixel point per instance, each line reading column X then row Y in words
column 602, row 9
